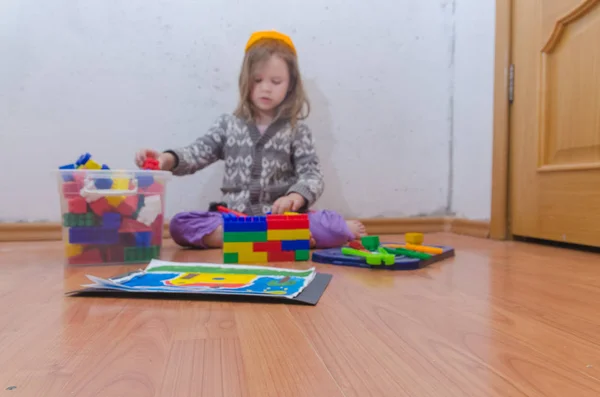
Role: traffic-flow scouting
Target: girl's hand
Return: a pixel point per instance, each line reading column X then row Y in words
column 290, row 203
column 166, row 161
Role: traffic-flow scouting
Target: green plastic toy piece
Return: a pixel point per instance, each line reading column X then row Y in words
column 407, row 253
column 230, row 257
column 388, row 259
column 244, row 237
column 374, row 259
column 302, row 255
column 141, row 254
column 79, row 220
column 370, row 242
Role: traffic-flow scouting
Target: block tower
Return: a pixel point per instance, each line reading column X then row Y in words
column 270, row 238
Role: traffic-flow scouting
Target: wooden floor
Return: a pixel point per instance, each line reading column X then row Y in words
column 499, row 319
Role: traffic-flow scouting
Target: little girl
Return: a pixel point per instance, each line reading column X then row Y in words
column 270, row 158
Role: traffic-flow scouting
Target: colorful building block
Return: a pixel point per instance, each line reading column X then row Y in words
column 302, row 255
column 151, row 164
column 93, row 235
column 77, row 205
column 111, row 220
column 414, row 238
column 128, row 206
column 73, row 249
column 141, row 254
column 118, row 184
column 151, row 209
column 91, row 256
column 129, row 225
column 70, row 189
column 370, row 242
column 143, row 239
column 100, row 206
column 279, row 235
column 253, row 257
column 271, row 238
column 244, row 237
column 79, row 220
column 288, row 256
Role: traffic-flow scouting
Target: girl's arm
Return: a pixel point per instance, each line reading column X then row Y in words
column 201, row 153
column 310, row 183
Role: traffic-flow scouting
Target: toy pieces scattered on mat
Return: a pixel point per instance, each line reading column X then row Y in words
column 369, row 253
column 270, row 238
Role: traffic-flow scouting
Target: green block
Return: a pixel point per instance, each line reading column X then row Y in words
column 141, row 254
column 302, row 255
column 79, row 220
column 244, row 237
column 230, row 257
column 408, row 253
column 370, row 242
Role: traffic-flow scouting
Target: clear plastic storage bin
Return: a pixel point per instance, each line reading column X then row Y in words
column 110, row 216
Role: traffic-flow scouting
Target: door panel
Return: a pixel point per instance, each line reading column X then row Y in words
column 555, row 121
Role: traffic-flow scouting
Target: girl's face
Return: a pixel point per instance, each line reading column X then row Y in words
column 270, row 83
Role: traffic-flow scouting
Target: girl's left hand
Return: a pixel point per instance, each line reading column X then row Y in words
column 290, row 203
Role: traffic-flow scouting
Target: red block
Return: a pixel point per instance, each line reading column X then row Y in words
column 150, row 164
column 91, row 256
column 157, row 230
column 128, row 206
column 129, row 225
column 100, row 206
column 268, row 246
column 77, row 205
column 286, row 256
column 79, row 178
column 287, row 222
column 70, row 189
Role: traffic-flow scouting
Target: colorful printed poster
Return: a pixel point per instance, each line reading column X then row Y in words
column 210, row 278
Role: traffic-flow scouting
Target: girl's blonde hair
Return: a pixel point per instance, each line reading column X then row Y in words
column 295, row 106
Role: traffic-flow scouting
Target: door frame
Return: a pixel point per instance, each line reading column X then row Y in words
column 500, row 205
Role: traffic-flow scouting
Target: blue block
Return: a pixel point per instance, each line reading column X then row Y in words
column 144, row 181
column 90, row 235
column 232, row 223
column 143, row 239
column 111, row 220
column 84, row 158
column 103, row 183
column 67, row 176
column 295, row 245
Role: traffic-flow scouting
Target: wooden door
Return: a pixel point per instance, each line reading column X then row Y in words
column 555, row 121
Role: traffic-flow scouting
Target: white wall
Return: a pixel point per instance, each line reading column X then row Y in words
column 473, row 108
column 111, row 77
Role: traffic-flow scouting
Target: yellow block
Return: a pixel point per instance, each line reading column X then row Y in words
column 118, row 184
column 291, row 213
column 92, row 165
column 73, row 249
column 115, row 200
column 281, row 235
column 231, row 248
column 414, row 238
column 254, row 257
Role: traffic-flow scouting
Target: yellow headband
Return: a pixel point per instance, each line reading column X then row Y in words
column 271, row 34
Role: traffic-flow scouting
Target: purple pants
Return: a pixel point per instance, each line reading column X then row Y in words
column 328, row 228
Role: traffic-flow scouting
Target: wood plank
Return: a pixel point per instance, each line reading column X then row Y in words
column 499, row 319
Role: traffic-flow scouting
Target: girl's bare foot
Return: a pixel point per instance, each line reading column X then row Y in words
column 214, row 239
column 357, row 228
